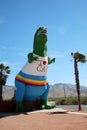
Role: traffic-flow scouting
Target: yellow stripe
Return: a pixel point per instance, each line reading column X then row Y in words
column 31, row 81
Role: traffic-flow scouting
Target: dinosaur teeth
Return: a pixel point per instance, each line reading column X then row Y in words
column 42, row 32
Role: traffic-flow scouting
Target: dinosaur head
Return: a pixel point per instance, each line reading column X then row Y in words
column 40, row 42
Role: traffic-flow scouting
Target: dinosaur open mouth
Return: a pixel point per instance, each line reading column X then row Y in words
column 44, row 31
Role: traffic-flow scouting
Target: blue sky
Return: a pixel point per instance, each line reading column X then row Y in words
column 66, row 22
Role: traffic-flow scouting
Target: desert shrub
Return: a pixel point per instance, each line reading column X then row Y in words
column 68, row 100
column 84, row 100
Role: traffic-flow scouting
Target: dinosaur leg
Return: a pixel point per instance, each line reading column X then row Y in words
column 44, row 103
column 19, row 94
column 19, row 107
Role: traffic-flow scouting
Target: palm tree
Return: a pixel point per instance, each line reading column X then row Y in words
column 4, row 71
column 78, row 57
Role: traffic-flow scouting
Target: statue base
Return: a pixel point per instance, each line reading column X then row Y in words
column 9, row 106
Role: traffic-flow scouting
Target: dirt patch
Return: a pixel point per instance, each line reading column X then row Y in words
column 44, row 121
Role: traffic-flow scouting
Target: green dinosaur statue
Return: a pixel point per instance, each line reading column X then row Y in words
column 31, row 81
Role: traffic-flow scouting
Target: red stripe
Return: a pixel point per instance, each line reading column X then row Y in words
column 32, row 84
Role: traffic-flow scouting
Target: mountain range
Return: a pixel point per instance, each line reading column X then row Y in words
column 66, row 90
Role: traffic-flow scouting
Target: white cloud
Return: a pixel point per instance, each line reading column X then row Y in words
column 3, row 48
column 20, row 51
column 2, row 20
column 23, row 52
column 13, row 66
column 56, row 55
column 9, row 63
column 62, row 30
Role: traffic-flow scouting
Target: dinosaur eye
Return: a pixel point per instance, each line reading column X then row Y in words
column 39, row 33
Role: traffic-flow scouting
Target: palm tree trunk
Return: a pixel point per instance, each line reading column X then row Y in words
column 0, row 93
column 0, row 86
column 3, row 79
column 77, row 83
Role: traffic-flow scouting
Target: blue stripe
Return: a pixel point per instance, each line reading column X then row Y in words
column 33, row 77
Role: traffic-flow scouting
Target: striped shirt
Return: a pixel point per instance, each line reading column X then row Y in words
column 31, row 79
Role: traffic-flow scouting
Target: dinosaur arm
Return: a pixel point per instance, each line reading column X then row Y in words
column 31, row 58
column 51, row 60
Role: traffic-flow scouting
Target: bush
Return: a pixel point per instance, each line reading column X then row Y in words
column 84, row 100
column 68, row 100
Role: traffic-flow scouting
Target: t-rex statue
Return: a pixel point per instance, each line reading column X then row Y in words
column 31, row 82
